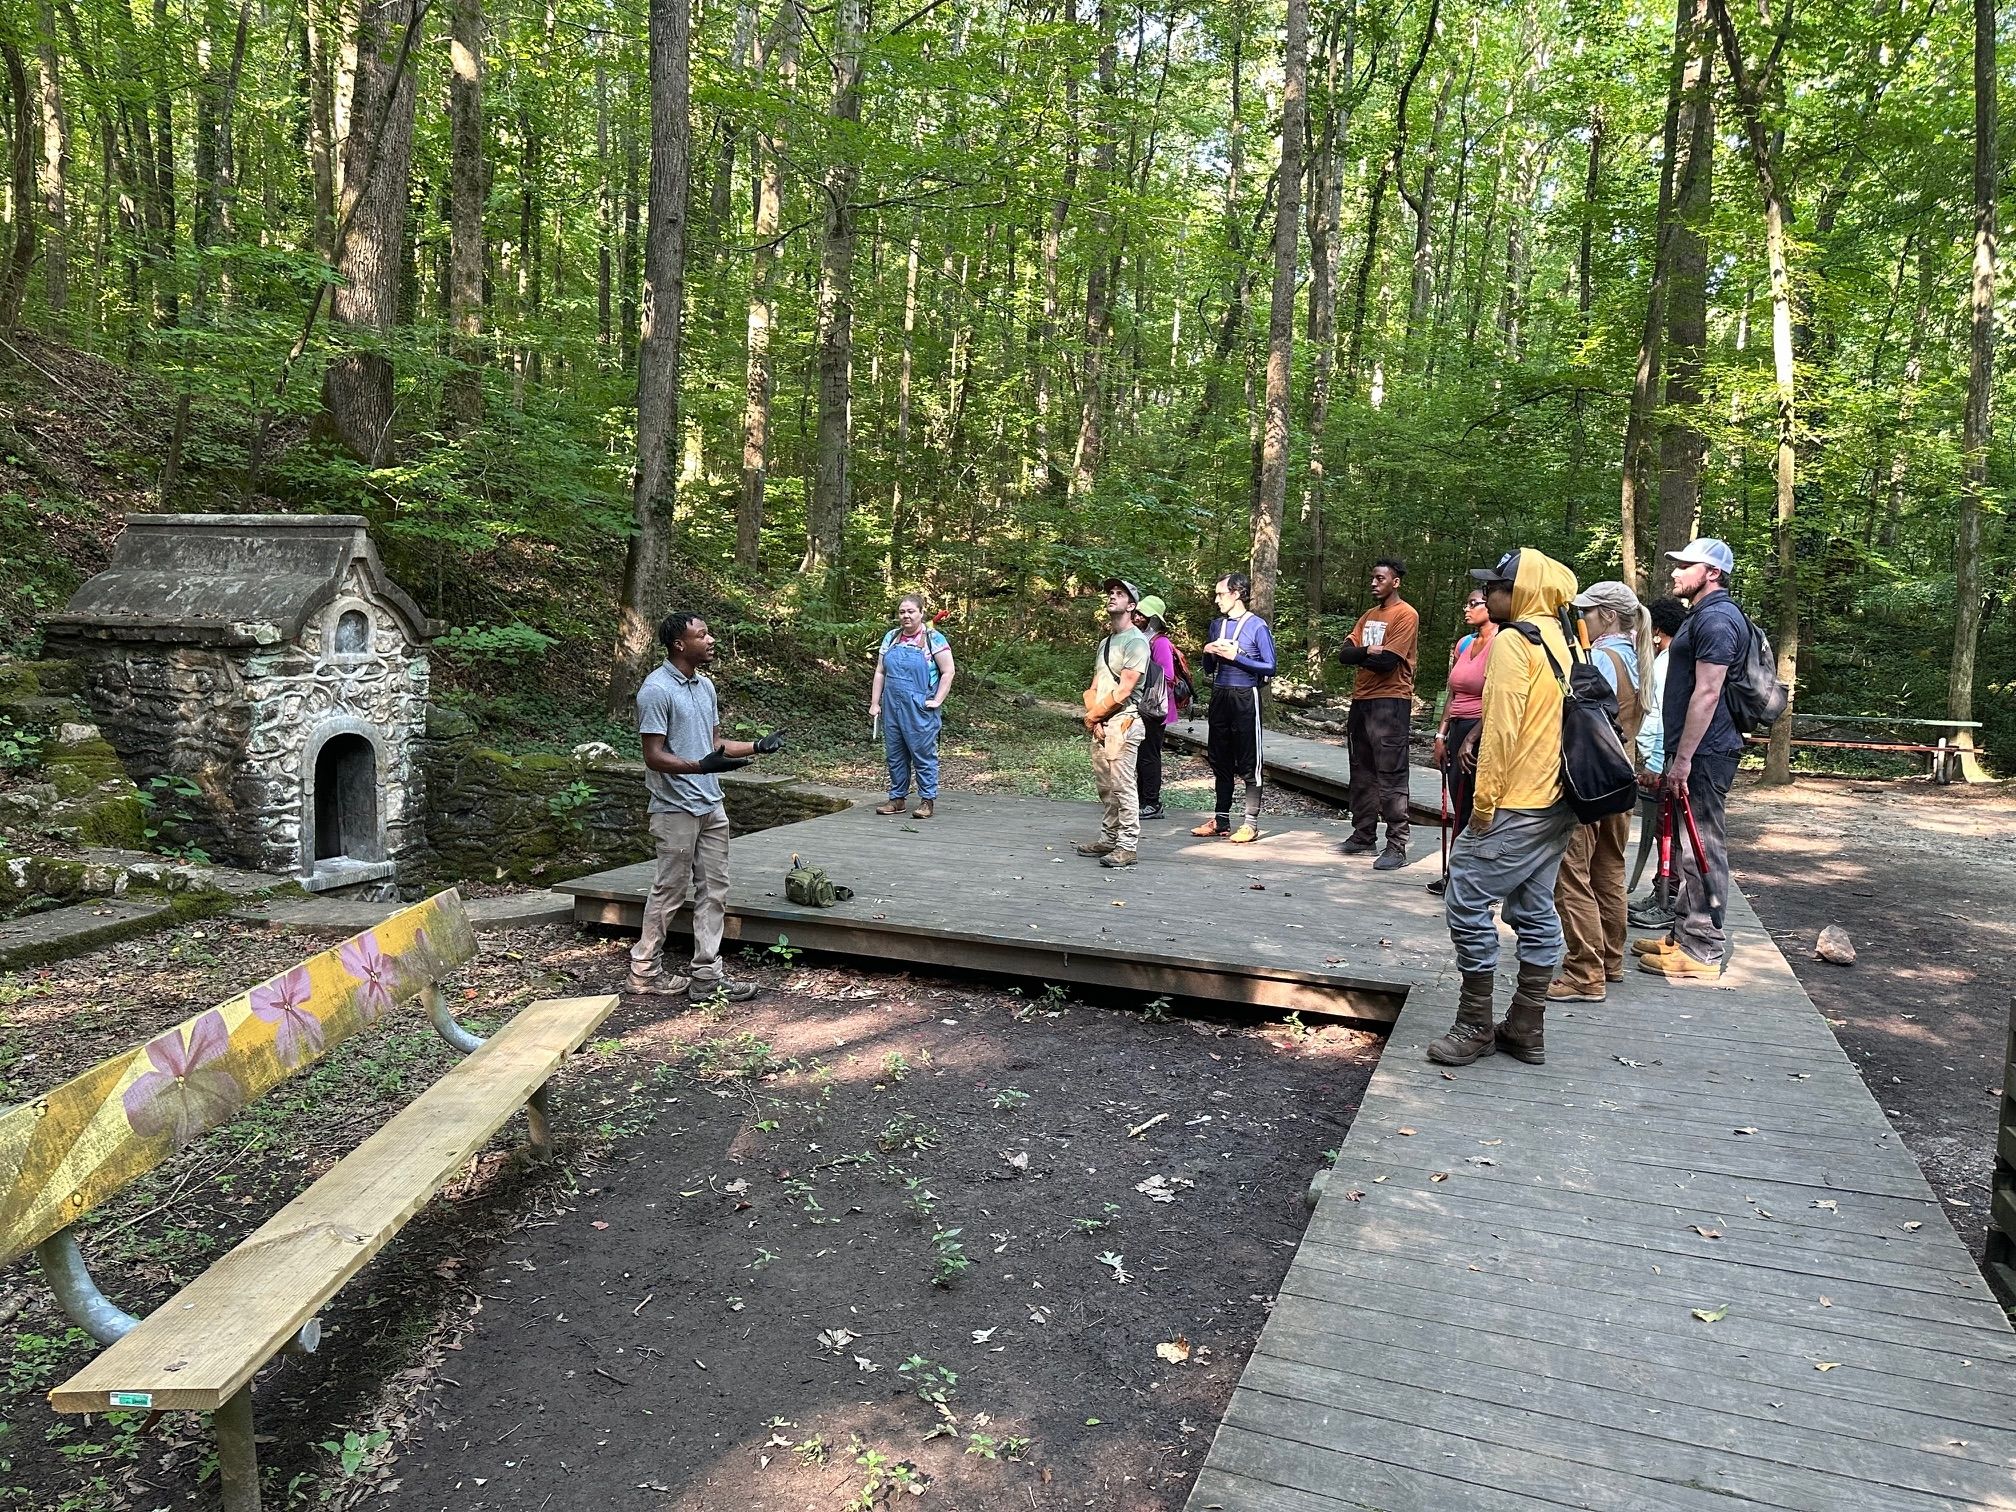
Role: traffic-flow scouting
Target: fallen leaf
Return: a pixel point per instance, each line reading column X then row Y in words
column 1706, row 1233
column 1826, row 1301
column 982, row 1335
column 837, row 1339
column 1438, row 1175
column 737, row 1187
column 1913, row 1226
column 1356, row 1194
column 1480, row 1160
column 1827, row 1204
column 597, row 1224
column 1826, row 1364
column 864, row 1363
column 1712, row 1315
column 1405, row 1130
column 1750, row 1129
column 1176, row 1351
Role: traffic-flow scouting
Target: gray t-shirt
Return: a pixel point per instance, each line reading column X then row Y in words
column 684, row 710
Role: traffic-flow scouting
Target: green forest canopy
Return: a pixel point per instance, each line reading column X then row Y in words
column 1053, row 230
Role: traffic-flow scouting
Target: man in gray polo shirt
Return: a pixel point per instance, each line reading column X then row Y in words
column 680, row 722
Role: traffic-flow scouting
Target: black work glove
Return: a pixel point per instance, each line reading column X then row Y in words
column 770, row 744
column 718, row 760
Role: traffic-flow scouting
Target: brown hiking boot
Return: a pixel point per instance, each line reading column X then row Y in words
column 1470, row 1037
column 1652, row 945
column 1096, row 847
column 893, row 806
column 923, row 810
column 1520, row 1036
column 1565, row 991
column 1116, row 857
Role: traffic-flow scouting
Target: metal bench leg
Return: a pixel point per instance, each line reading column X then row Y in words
column 70, row 1279
column 237, row 1453
column 538, row 1130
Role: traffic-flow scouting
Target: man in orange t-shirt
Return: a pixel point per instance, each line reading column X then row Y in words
column 1381, row 647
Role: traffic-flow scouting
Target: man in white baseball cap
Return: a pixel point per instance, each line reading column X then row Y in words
column 1703, row 745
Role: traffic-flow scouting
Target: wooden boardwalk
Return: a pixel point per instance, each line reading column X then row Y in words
column 1499, row 1302
column 992, row 884
column 1321, row 769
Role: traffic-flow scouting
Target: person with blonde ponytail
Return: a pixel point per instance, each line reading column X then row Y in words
column 1589, row 892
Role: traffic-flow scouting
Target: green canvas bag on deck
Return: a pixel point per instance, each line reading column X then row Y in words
column 810, row 887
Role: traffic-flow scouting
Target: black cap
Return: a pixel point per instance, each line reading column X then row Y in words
column 1118, row 582
column 1507, row 570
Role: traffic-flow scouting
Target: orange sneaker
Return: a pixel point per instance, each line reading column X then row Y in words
column 1208, row 830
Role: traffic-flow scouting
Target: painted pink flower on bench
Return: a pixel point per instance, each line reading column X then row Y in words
column 283, row 1003
column 374, row 973
column 186, row 1092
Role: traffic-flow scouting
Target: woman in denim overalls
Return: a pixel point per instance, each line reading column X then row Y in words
column 913, row 675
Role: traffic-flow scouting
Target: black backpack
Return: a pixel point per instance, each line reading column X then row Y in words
column 1151, row 694
column 1597, row 773
column 1755, row 696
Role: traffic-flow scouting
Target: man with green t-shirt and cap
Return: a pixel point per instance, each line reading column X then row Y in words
column 1115, row 725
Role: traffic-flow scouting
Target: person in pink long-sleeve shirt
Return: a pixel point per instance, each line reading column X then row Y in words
column 1148, row 764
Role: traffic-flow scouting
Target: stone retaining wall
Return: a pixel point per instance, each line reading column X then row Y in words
column 496, row 817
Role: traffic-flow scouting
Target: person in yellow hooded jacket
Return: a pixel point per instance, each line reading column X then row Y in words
column 1520, row 820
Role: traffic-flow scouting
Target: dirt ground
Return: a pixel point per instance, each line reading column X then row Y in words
column 868, row 1232
column 1923, row 878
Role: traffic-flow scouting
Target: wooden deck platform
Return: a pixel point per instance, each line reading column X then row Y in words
column 1685, row 1266
column 992, row 884
column 1321, row 769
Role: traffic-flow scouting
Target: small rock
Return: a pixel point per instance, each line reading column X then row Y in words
column 70, row 735
column 1834, row 945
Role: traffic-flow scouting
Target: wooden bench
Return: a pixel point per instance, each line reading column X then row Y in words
column 1949, row 754
column 65, row 1153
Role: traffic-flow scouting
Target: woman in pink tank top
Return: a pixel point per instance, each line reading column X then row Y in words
column 1456, row 739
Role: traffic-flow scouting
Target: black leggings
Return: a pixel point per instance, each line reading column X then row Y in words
column 1462, row 784
column 1148, row 764
column 1233, row 720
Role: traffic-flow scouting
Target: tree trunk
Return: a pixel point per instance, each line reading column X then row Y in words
column 626, row 302
column 322, row 146
column 826, row 514
column 1975, row 430
column 1267, row 518
column 1683, row 445
column 605, row 217
column 722, row 189
column 21, row 187
column 1578, row 433
column 1327, row 199
column 1053, row 236
column 1388, row 171
column 647, row 563
column 463, row 392
column 898, row 525
column 779, row 50
column 1091, row 396
column 55, row 174
column 1421, row 286
column 1766, row 157
column 357, row 394
column 1645, row 376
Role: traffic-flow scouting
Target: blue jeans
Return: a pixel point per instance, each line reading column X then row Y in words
column 1512, row 864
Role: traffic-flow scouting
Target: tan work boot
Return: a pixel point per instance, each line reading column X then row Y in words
column 1652, row 945
column 1470, row 1037
column 1521, row 1035
column 1676, row 965
column 1565, row 991
column 1101, row 847
column 1116, row 857
column 923, row 810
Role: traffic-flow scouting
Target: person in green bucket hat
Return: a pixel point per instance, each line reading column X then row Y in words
column 1148, row 619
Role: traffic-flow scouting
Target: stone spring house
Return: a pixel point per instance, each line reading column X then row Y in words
column 268, row 660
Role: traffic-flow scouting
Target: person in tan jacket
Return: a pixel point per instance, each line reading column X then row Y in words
column 1520, row 820
column 1590, row 894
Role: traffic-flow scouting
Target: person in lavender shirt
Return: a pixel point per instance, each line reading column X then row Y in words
column 1148, row 620
column 1238, row 658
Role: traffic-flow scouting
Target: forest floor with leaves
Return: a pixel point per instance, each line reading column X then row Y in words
column 869, row 1231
